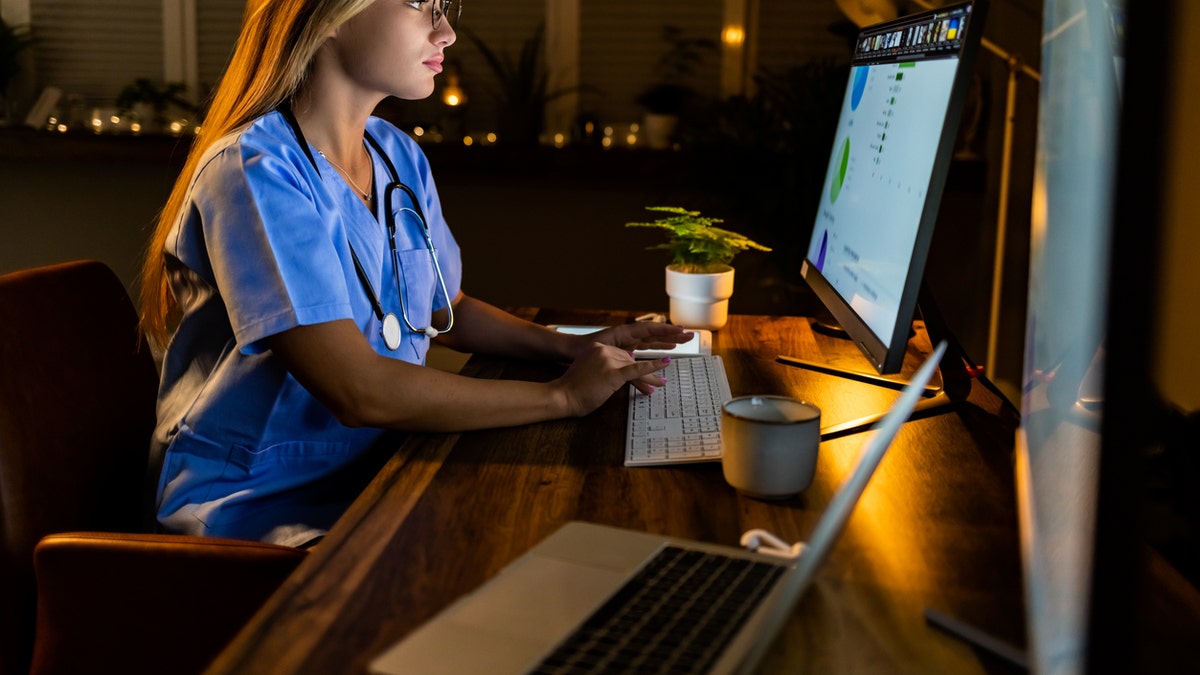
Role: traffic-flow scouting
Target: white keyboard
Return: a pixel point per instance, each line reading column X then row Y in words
column 681, row 421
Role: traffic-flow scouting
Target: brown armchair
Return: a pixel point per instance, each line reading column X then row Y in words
column 77, row 395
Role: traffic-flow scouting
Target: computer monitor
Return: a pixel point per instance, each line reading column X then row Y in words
column 1097, row 431
column 899, row 120
column 1063, row 383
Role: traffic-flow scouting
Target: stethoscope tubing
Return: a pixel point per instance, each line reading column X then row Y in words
column 390, row 224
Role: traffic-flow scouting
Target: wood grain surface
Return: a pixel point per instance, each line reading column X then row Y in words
column 937, row 526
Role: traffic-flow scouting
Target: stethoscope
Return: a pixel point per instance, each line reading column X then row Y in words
column 389, row 323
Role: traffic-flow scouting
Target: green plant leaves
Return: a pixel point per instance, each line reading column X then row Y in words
column 694, row 242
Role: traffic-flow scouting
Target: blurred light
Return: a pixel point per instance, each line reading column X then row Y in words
column 62, row 128
column 608, row 131
column 634, row 128
column 453, row 96
column 135, row 127
column 115, row 119
column 418, row 131
column 888, row 524
column 1041, row 210
column 468, row 141
column 491, row 137
column 559, row 140
column 631, row 139
column 606, row 141
column 733, row 36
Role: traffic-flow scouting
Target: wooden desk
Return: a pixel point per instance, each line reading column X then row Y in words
column 937, row 526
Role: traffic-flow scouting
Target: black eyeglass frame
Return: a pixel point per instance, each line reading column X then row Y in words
column 451, row 8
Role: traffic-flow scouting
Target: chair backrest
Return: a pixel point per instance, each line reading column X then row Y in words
column 78, row 386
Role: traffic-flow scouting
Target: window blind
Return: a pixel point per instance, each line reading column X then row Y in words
column 794, row 32
column 503, row 27
column 91, row 49
column 622, row 41
column 217, row 25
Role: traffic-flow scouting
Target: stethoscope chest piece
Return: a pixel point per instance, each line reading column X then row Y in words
column 391, row 331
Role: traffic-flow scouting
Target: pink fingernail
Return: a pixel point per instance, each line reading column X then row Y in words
column 666, row 359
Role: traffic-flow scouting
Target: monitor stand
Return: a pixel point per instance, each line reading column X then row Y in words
column 955, row 378
column 825, row 324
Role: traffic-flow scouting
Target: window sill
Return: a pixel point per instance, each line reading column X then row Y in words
column 29, row 145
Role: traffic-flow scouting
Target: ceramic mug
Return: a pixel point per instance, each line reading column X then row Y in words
column 769, row 445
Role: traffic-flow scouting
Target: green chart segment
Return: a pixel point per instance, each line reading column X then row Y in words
column 839, row 178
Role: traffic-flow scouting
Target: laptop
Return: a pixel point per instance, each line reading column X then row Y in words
column 564, row 606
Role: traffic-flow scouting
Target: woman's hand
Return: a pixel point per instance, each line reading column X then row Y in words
column 641, row 335
column 600, row 370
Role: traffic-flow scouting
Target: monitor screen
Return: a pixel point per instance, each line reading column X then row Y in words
column 891, row 152
column 1105, row 461
column 1063, row 381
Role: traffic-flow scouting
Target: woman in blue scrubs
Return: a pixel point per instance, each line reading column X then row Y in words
column 301, row 268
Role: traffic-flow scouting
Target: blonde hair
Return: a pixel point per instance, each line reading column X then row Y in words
column 274, row 51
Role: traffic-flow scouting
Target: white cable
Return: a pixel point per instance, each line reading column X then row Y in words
column 761, row 541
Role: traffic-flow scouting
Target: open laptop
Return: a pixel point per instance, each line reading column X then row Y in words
column 565, row 605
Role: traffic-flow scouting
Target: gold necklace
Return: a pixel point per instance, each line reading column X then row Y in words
column 365, row 194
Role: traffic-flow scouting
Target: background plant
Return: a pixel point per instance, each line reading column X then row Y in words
column 13, row 41
column 761, row 158
column 521, row 87
column 695, row 245
column 159, row 98
column 672, row 91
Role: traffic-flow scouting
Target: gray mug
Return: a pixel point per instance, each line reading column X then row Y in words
column 769, row 445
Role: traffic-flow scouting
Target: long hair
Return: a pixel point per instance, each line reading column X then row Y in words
column 274, row 52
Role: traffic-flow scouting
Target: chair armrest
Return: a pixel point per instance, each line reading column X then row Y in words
column 146, row 602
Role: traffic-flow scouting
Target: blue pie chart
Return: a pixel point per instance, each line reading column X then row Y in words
column 860, row 85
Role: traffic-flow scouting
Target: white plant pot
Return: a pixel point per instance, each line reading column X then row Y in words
column 700, row 300
column 658, row 130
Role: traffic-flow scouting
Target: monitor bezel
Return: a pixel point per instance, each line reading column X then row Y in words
column 886, row 353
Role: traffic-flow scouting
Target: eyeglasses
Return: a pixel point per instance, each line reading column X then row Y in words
column 451, row 9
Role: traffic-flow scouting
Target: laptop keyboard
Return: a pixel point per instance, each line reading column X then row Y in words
column 681, row 421
column 675, row 616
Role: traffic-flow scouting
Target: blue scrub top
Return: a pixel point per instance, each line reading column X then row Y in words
column 263, row 245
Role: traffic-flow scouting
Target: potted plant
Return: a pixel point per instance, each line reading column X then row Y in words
column 666, row 99
column 13, row 41
column 700, row 275
column 150, row 102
